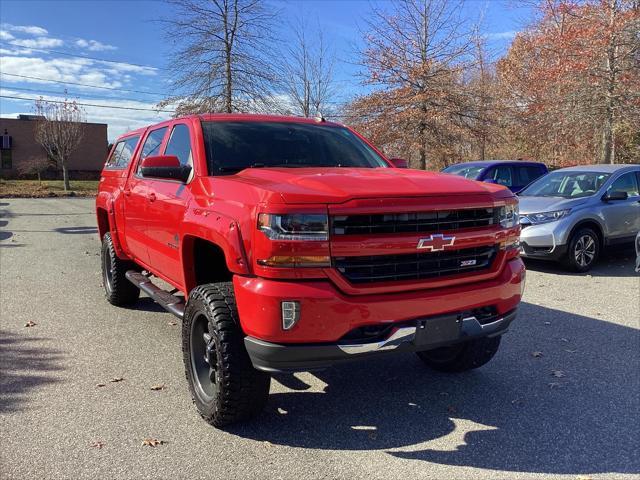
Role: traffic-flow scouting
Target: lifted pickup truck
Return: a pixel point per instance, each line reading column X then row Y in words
column 293, row 244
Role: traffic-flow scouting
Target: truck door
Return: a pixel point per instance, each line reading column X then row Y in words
column 137, row 199
column 167, row 205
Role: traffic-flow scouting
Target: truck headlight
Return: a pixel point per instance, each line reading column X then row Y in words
column 294, row 226
column 509, row 215
column 546, row 217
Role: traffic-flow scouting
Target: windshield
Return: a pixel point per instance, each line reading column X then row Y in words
column 234, row 146
column 466, row 171
column 568, row 184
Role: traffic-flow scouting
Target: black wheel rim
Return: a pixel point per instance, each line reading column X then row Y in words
column 585, row 250
column 107, row 271
column 204, row 359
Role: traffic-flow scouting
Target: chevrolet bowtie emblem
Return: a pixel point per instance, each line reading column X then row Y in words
column 436, row 243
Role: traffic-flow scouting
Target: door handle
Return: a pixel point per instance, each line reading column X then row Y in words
column 152, row 197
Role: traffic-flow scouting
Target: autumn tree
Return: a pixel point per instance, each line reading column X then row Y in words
column 572, row 82
column 414, row 56
column 34, row 165
column 307, row 66
column 59, row 131
column 221, row 60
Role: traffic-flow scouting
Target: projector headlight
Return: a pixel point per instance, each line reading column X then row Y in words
column 295, row 226
column 546, row 217
column 509, row 215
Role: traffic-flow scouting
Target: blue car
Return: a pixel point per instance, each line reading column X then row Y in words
column 514, row 174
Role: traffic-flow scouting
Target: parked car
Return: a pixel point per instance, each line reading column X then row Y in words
column 513, row 174
column 293, row 244
column 571, row 214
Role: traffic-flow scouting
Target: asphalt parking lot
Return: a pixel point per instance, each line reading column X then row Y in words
column 561, row 398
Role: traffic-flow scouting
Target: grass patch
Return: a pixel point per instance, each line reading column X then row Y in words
column 48, row 188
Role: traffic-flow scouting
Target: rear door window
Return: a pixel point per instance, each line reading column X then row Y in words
column 123, row 153
column 527, row 174
column 626, row 183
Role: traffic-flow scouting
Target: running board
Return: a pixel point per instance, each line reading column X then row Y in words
column 166, row 300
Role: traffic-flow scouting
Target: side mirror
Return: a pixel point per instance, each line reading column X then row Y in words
column 398, row 163
column 164, row 166
column 615, row 195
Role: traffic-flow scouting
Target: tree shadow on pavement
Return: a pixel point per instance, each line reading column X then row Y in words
column 511, row 415
column 25, row 365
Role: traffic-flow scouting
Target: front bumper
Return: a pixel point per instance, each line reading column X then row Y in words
column 547, row 241
column 418, row 335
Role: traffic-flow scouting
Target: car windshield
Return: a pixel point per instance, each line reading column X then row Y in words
column 567, row 184
column 234, row 146
column 466, row 171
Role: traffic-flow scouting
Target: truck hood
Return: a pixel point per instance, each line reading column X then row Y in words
column 548, row 204
column 337, row 185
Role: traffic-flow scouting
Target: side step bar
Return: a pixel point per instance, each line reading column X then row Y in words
column 166, row 300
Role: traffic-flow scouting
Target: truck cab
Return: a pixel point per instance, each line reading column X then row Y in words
column 294, row 244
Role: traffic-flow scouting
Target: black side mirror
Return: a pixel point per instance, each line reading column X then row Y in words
column 615, row 195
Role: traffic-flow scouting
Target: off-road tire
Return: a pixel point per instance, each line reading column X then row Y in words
column 461, row 357
column 119, row 291
column 577, row 240
column 239, row 390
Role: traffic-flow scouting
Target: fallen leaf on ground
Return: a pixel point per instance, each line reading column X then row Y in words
column 547, row 323
column 116, row 379
column 97, row 444
column 558, row 373
column 536, row 354
column 566, row 340
column 152, row 442
column 173, row 324
column 517, row 401
column 99, row 385
column 30, row 324
column 160, row 386
column 444, row 394
column 570, row 351
column 554, row 385
column 282, row 411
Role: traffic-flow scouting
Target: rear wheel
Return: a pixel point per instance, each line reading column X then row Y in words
column 119, row 291
column 462, row 356
column 224, row 385
column 583, row 251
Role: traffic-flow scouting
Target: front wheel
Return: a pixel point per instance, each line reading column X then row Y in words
column 224, row 385
column 583, row 251
column 462, row 356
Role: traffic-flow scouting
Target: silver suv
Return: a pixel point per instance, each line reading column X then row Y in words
column 569, row 215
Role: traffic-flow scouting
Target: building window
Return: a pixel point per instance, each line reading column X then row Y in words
column 5, row 159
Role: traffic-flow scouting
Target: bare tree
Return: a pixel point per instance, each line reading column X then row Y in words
column 308, row 66
column 59, row 131
column 34, row 165
column 221, row 58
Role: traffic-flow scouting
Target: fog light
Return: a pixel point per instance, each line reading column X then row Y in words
column 290, row 314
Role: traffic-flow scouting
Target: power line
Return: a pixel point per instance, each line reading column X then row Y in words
column 78, row 56
column 71, row 94
column 82, row 84
column 89, row 104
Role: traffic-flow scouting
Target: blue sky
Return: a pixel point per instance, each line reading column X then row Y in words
column 36, row 35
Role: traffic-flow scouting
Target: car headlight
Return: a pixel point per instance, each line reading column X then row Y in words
column 294, row 226
column 546, row 217
column 509, row 215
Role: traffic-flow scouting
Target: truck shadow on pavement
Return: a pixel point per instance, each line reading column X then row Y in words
column 617, row 261
column 20, row 356
column 511, row 415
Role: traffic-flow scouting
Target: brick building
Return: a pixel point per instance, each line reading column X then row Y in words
column 86, row 161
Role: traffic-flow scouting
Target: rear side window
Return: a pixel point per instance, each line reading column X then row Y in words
column 527, row 174
column 122, row 153
column 626, row 183
column 180, row 144
column 152, row 144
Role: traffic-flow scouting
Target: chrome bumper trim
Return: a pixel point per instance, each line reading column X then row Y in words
column 401, row 335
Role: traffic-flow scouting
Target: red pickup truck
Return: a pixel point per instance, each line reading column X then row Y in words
column 293, row 244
